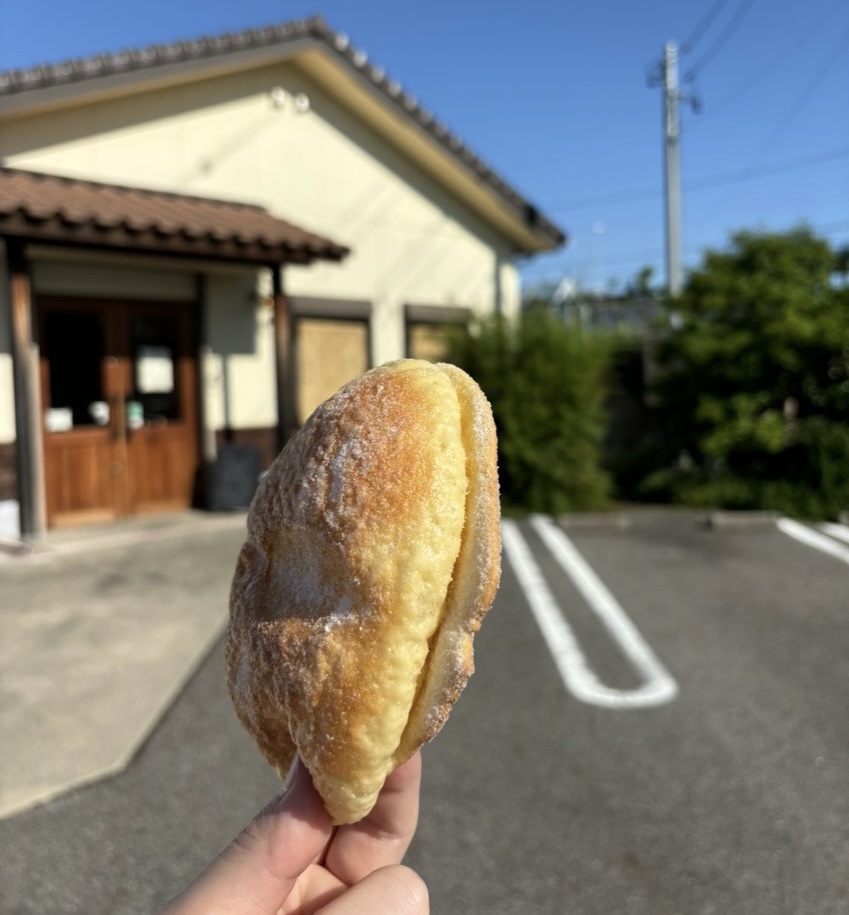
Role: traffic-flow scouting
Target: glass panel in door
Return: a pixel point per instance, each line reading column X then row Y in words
column 74, row 346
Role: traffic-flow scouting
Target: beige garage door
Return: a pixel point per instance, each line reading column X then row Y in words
column 329, row 353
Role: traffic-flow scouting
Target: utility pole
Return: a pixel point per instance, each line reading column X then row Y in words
column 666, row 75
column 672, row 167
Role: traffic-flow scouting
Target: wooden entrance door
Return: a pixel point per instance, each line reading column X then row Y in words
column 119, row 397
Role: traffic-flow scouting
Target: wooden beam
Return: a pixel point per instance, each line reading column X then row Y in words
column 30, row 465
column 284, row 359
column 207, row 433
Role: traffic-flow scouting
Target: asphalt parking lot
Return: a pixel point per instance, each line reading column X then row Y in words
column 677, row 744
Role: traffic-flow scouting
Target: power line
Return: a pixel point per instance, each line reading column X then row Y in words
column 802, row 98
column 721, row 41
column 636, row 195
column 649, row 256
column 703, row 26
column 734, row 177
column 750, row 173
column 778, row 59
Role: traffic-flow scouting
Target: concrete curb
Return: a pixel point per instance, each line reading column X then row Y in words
column 740, row 519
column 602, row 520
column 15, row 549
column 82, row 540
column 717, row 519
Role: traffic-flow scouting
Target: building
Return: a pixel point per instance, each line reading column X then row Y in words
column 202, row 240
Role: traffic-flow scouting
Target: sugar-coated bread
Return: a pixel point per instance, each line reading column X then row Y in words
column 372, row 555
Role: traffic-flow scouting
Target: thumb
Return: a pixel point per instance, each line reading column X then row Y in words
column 256, row 872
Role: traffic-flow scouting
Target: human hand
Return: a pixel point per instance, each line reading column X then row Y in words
column 290, row 860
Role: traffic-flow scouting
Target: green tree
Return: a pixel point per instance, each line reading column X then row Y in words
column 641, row 286
column 756, row 377
column 546, row 382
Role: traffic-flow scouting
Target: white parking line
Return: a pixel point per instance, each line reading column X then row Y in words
column 658, row 687
column 841, row 531
column 806, row 535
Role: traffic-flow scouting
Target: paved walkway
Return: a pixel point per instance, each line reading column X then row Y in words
column 101, row 628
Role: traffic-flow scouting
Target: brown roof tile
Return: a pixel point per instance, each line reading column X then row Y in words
column 49, row 208
column 14, row 82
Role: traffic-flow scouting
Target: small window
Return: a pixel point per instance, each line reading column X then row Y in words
column 430, row 328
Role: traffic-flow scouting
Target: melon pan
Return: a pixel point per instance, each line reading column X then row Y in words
column 371, row 558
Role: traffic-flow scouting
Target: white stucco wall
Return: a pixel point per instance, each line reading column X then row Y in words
column 7, row 400
column 238, row 361
column 7, row 393
column 410, row 240
column 9, row 509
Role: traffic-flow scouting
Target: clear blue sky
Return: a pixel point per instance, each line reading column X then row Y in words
column 554, row 96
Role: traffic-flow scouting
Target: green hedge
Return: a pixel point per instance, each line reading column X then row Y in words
column 547, row 383
column 810, row 479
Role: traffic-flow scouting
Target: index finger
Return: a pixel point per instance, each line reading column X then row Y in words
column 382, row 837
column 257, row 871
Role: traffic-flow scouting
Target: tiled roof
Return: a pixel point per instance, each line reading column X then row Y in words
column 48, row 208
column 316, row 29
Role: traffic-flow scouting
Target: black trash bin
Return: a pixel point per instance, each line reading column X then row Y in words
column 234, row 477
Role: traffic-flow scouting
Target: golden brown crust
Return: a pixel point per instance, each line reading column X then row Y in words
column 477, row 571
column 372, row 556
